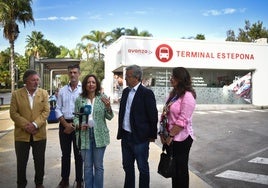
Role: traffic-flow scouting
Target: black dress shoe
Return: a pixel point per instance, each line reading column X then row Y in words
column 79, row 184
column 63, row 184
column 39, row 186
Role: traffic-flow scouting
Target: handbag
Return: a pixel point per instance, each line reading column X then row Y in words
column 166, row 166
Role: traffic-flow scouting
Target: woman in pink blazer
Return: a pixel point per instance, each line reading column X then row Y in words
column 178, row 113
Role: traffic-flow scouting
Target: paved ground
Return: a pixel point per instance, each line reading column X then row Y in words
column 5, row 98
column 114, row 175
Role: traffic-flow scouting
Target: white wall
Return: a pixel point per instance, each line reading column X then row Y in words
column 144, row 51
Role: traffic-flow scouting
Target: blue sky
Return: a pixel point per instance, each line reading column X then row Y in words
column 64, row 22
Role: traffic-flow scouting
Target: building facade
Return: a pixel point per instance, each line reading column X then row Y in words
column 222, row 72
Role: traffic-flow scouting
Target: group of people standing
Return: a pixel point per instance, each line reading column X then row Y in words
column 87, row 132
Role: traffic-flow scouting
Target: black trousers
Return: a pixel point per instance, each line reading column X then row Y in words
column 22, row 153
column 181, row 152
column 66, row 142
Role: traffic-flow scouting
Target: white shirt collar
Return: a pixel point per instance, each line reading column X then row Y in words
column 136, row 87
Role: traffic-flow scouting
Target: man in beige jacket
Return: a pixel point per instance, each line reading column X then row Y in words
column 29, row 110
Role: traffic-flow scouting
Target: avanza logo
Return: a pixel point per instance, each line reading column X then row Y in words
column 164, row 53
column 139, row 51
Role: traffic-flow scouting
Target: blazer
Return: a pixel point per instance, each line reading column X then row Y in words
column 143, row 114
column 21, row 113
column 100, row 114
column 181, row 114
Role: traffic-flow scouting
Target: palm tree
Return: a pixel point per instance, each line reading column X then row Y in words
column 132, row 32
column 35, row 44
column 98, row 37
column 88, row 49
column 117, row 33
column 64, row 51
column 11, row 12
column 145, row 34
column 135, row 32
column 79, row 48
column 230, row 35
column 200, row 37
column 50, row 49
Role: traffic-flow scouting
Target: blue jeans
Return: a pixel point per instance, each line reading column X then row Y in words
column 93, row 165
column 135, row 151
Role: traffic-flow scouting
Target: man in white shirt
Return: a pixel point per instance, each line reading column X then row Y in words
column 64, row 112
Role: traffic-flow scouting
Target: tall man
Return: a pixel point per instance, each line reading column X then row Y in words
column 64, row 112
column 29, row 109
column 138, row 118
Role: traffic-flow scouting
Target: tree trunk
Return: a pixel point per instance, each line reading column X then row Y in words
column 12, row 59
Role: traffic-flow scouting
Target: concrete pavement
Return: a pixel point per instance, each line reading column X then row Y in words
column 113, row 171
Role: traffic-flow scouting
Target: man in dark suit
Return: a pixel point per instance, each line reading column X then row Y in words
column 138, row 118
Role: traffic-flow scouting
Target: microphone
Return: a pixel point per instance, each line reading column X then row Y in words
column 87, row 111
column 82, row 109
column 81, row 113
